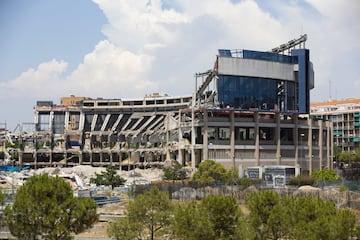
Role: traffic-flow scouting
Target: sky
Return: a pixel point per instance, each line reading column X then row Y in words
column 128, row 49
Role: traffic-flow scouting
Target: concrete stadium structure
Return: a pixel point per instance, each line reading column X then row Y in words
column 250, row 109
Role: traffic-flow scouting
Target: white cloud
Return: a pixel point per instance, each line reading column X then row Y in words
column 335, row 49
column 112, row 72
column 42, row 81
column 135, row 24
column 149, row 48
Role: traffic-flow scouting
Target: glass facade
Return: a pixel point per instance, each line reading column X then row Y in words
column 245, row 92
column 269, row 56
column 250, row 92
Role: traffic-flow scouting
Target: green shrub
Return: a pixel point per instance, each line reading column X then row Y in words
column 176, row 172
column 302, row 180
column 325, row 174
column 343, row 188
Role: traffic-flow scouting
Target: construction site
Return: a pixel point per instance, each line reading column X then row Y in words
column 250, row 109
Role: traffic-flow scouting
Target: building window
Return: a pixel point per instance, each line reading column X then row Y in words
column 211, row 133
column 246, row 133
column 266, row 134
column 224, row 133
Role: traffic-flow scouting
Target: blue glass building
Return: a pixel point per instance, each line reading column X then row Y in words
column 265, row 80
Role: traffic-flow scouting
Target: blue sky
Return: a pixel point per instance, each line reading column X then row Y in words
column 126, row 48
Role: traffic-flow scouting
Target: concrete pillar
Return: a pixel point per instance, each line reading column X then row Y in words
column 101, row 157
column 35, row 159
column 232, row 138
column 296, row 138
column 277, row 139
column 168, row 155
column 329, row 145
column 257, row 140
column 66, row 122
column 167, row 143
column 193, row 157
column 20, row 158
column 205, row 155
column 321, row 137
column 80, row 158
column 309, row 144
column 180, row 157
column 120, row 160
column 91, row 157
column 51, row 156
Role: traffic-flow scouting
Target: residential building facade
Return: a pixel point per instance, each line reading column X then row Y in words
column 345, row 118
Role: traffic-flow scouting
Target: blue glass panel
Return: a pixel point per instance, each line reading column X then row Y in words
column 247, row 92
column 269, row 56
column 224, row 52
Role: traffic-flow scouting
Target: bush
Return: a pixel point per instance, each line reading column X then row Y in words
column 302, row 180
column 247, row 182
column 176, row 172
column 326, row 174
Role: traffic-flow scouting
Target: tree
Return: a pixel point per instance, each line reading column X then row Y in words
column 175, row 172
column 210, row 172
column 265, row 210
column 287, row 217
column 45, row 208
column 325, row 175
column 357, row 154
column 108, row 178
column 123, row 229
column 148, row 215
column 346, row 157
column 215, row 217
column 224, row 214
column 191, row 223
column 337, row 151
column 314, row 218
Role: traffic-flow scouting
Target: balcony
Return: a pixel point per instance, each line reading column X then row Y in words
column 337, row 132
column 356, row 124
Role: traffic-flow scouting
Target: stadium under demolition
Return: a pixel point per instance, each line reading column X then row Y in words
column 250, row 109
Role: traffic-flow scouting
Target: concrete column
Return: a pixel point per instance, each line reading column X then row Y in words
column 180, row 157
column 66, row 122
column 120, row 159
column 35, row 158
column 91, row 157
column 321, row 137
column 309, row 144
column 51, row 156
column 277, row 139
column 232, row 138
column 257, row 140
column 168, row 155
column 329, row 145
column 20, row 158
column 51, row 121
column 167, row 147
column 80, row 157
column 296, row 139
column 193, row 157
column 101, row 157
column 65, row 158
column 205, row 154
